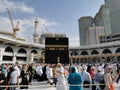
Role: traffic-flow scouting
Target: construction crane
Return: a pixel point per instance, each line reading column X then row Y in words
column 14, row 28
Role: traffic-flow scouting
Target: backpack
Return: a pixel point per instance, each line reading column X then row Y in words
column 102, row 84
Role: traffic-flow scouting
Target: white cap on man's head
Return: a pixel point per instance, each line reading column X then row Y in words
column 15, row 67
column 84, row 67
column 99, row 69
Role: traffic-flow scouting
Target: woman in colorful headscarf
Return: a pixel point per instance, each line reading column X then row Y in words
column 74, row 79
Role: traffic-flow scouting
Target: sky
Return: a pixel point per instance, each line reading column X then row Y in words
column 54, row 16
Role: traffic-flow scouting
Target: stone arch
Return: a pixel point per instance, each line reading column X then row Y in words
column 34, row 51
column 42, row 57
column 74, row 53
column 107, row 51
column 84, row 53
column 43, row 53
column 117, row 58
column 8, row 55
column 22, row 50
column 94, row 58
column 21, row 55
column 94, row 52
column 36, row 56
column 117, row 50
column 8, row 49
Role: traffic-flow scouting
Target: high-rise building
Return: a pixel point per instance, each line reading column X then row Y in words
column 108, row 18
column 114, row 6
column 84, row 24
column 102, row 18
column 93, row 34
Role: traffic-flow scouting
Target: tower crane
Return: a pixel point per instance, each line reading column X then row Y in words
column 14, row 28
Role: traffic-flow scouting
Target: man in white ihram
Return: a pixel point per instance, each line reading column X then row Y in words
column 61, row 84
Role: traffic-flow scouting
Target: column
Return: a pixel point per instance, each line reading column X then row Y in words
column 14, row 58
column 31, row 58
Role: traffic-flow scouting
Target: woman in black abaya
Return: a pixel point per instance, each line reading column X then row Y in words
column 24, row 77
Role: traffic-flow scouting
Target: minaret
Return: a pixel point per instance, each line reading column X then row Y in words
column 35, row 35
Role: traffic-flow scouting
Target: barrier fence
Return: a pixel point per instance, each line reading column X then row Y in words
column 39, row 85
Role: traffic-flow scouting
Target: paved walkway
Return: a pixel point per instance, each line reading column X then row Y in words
column 40, row 86
column 44, row 86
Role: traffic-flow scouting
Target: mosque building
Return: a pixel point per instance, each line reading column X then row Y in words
column 99, row 40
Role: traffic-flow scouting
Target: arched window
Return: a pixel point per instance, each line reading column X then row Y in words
column 22, row 50
column 8, row 57
column 8, row 49
column 21, row 55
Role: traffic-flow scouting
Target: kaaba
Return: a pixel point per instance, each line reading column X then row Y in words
column 56, row 50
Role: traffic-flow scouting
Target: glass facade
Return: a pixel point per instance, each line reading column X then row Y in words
column 84, row 24
column 114, row 6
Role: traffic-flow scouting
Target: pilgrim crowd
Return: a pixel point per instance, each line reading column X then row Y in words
column 63, row 77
